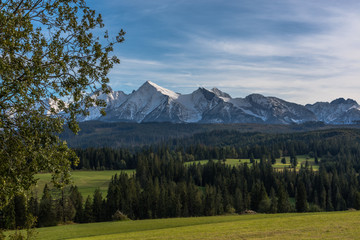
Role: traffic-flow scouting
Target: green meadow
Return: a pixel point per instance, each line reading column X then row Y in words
column 86, row 181
column 324, row 225
column 278, row 165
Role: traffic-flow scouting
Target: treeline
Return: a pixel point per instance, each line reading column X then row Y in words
column 53, row 207
column 117, row 134
column 226, row 144
column 105, row 159
column 164, row 187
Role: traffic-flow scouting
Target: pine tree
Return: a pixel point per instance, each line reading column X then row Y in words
column 20, row 210
column 47, row 216
column 33, row 206
column 274, row 201
column 283, row 200
column 7, row 216
column 301, row 199
column 88, row 211
column 259, row 197
column 356, row 201
column 239, row 201
column 97, row 206
column 76, row 199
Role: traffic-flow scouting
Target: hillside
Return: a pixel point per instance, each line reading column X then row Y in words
column 101, row 134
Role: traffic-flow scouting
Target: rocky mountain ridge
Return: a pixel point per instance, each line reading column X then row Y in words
column 153, row 103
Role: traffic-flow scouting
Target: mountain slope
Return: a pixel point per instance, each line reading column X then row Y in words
column 339, row 111
column 153, row 103
column 139, row 104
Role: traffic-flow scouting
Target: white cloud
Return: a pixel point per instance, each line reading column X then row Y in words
column 316, row 65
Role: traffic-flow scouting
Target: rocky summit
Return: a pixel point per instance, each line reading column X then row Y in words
column 152, row 103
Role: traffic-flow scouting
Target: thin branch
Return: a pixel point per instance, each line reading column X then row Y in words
column 35, row 5
column 17, row 8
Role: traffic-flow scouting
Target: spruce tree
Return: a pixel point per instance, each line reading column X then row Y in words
column 20, row 210
column 88, row 211
column 76, row 199
column 97, row 206
column 47, row 216
column 274, row 201
column 283, row 200
column 301, row 199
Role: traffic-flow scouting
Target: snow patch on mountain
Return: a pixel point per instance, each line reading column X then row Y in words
column 339, row 111
column 153, row 103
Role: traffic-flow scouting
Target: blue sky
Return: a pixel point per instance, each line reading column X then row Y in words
column 299, row 50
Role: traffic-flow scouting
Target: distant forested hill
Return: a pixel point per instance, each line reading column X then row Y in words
column 105, row 134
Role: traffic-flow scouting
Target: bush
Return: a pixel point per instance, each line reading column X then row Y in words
column 230, row 209
column 314, row 208
column 119, row 216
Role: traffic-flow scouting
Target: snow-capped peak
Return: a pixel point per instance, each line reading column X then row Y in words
column 149, row 84
column 220, row 93
column 151, row 102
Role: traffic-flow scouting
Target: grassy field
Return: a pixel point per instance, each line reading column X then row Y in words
column 278, row 165
column 86, row 181
column 326, row 225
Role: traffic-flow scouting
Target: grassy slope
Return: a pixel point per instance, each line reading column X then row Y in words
column 326, row 225
column 86, row 181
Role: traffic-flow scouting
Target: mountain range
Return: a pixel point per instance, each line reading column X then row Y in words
column 153, row 103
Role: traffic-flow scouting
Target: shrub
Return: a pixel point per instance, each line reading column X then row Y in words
column 119, row 216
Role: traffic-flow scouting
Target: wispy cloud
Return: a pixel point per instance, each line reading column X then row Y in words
column 303, row 51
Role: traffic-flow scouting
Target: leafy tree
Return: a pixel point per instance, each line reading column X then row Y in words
column 48, row 54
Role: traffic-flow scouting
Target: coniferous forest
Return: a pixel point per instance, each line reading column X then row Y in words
column 164, row 186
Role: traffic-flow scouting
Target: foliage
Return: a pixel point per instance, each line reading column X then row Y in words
column 28, row 234
column 49, row 54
